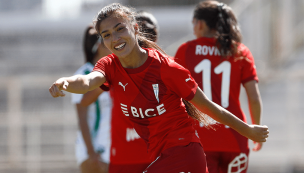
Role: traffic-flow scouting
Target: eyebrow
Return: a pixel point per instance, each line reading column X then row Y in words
column 113, row 28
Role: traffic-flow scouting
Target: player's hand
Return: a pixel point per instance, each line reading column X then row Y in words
column 94, row 164
column 257, row 146
column 60, row 84
column 103, row 167
column 258, row 133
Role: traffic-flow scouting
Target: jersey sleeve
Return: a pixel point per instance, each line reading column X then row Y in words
column 104, row 66
column 249, row 69
column 83, row 70
column 105, row 86
column 180, row 55
column 179, row 80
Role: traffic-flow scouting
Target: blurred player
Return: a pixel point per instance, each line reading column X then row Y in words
column 128, row 150
column 148, row 24
column 150, row 88
column 93, row 139
column 220, row 63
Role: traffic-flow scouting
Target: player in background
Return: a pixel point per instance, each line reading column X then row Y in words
column 150, row 94
column 128, row 150
column 220, row 64
column 93, row 140
column 148, row 25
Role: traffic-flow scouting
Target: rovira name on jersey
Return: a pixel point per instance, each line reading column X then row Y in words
column 207, row 50
column 140, row 113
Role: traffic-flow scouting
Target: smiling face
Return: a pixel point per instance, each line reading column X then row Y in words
column 119, row 36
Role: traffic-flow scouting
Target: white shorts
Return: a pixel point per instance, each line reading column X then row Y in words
column 82, row 154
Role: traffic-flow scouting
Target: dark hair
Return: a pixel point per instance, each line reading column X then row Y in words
column 90, row 43
column 128, row 13
column 120, row 11
column 147, row 24
column 220, row 17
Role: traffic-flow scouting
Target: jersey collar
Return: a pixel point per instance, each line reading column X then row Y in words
column 144, row 66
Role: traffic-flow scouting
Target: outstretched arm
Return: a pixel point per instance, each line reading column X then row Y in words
column 254, row 132
column 255, row 106
column 77, row 84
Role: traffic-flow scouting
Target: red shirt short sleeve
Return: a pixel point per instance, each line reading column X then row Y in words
column 179, row 80
column 181, row 54
column 105, row 66
column 249, row 69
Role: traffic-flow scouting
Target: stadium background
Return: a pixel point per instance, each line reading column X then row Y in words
column 40, row 40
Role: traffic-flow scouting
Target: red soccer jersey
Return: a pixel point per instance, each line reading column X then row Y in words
column 151, row 96
column 220, row 79
column 126, row 146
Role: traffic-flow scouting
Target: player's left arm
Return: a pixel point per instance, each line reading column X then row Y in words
column 255, row 106
column 256, row 133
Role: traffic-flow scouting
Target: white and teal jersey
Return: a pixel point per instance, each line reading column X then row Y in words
column 98, row 118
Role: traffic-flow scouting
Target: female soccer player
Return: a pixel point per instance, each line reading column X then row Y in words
column 93, row 144
column 128, row 150
column 220, row 63
column 150, row 88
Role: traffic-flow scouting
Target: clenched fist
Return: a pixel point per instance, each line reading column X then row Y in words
column 60, row 84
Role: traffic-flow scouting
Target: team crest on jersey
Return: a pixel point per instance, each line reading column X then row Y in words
column 156, row 91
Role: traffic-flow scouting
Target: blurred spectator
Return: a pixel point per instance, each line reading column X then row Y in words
column 93, row 139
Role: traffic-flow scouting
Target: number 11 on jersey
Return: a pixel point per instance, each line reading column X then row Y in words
column 225, row 67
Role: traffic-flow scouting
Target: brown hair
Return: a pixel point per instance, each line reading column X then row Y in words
column 90, row 41
column 128, row 13
column 147, row 24
column 220, row 17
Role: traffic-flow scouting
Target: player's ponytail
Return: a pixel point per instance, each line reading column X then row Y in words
column 220, row 17
column 144, row 42
column 198, row 115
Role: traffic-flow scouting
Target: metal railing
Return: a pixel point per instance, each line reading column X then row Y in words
column 27, row 140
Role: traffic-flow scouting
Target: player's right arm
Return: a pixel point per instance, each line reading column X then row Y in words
column 79, row 84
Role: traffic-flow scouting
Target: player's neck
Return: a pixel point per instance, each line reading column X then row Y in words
column 206, row 32
column 135, row 59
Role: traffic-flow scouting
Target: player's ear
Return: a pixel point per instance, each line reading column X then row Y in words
column 202, row 24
